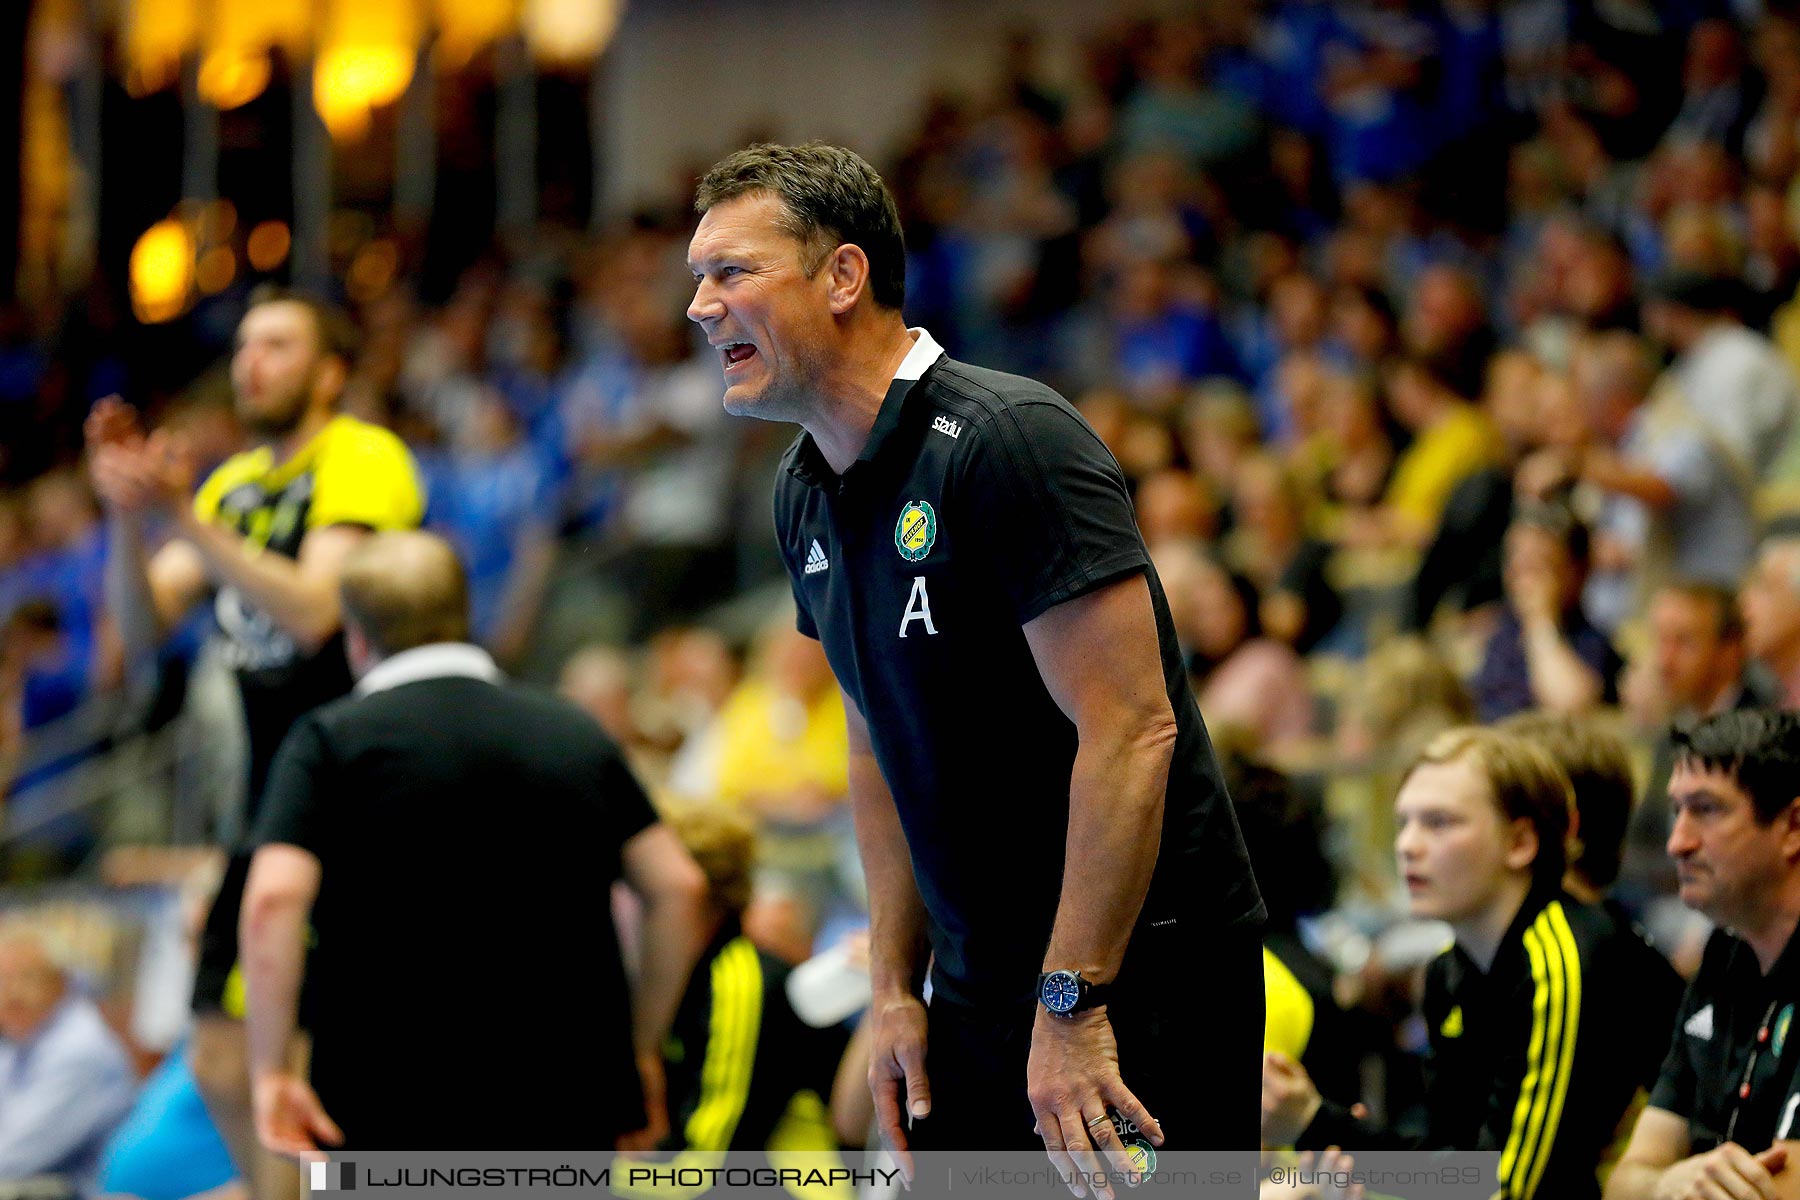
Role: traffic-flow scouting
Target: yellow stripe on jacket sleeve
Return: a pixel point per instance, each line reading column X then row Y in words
column 1534, row 1054
column 1563, row 939
column 1533, row 1086
column 1550, row 1055
column 733, row 1032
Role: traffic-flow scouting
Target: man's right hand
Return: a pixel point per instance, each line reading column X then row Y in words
column 1729, row 1172
column 656, row 1108
column 897, row 1072
column 136, row 474
column 289, row 1118
column 109, row 422
column 117, row 465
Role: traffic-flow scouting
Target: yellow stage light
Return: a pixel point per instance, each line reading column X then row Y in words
column 373, row 270
column 218, row 221
column 465, row 26
column 570, row 32
column 162, row 271
column 349, row 81
column 231, row 78
column 365, row 61
column 268, row 245
column 234, row 65
column 157, row 34
column 218, row 267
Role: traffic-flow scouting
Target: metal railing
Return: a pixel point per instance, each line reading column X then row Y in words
column 104, row 767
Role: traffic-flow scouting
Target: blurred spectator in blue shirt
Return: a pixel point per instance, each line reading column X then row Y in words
column 1375, row 86
column 65, row 1079
column 1734, row 378
column 1545, row 653
column 525, row 354
column 1177, row 108
column 1677, row 502
column 69, row 568
column 24, row 368
column 1292, row 41
column 493, row 498
column 1154, row 340
column 1298, row 324
column 1471, row 93
column 1714, row 105
column 657, row 463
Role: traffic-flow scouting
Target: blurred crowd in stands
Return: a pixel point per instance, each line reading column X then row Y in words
column 1450, row 347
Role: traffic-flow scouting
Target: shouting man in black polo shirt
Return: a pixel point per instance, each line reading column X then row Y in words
column 1728, row 1096
column 1035, row 796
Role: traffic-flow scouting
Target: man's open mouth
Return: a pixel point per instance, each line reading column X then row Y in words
column 736, row 352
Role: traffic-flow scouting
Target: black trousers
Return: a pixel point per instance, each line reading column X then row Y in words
column 1188, row 1016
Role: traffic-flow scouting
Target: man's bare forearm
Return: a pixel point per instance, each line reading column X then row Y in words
column 1560, row 680
column 527, row 582
column 128, row 591
column 272, row 937
column 896, row 911
column 673, row 938
column 1116, row 794
column 1633, row 1181
column 304, row 604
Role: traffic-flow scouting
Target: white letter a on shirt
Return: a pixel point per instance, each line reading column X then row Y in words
column 918, row 607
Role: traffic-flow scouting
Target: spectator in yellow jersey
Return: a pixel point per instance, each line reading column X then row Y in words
column 1452, row 439
column 783, row 760
column 265, row 539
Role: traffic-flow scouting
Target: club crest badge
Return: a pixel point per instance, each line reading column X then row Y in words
column 1138, row 1150
column 916, row 530
column 1782, row 1023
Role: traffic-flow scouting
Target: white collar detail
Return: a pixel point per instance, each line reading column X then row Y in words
column 925, row 351
column 439, row 660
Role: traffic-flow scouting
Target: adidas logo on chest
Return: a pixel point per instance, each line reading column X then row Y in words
column 816, row 560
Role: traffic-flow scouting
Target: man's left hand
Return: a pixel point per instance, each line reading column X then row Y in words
column 1072, row 1078
column 290, row 1120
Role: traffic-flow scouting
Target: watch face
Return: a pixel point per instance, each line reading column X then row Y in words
column 1060, row 991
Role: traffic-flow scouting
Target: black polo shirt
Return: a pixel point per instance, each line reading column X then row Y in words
column 1728, row 1004
column 981, row 501
column 468, row 836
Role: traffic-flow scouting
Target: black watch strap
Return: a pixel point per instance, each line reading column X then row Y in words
column 1087, row 995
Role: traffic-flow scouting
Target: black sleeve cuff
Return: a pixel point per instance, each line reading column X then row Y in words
column 1333, row 1125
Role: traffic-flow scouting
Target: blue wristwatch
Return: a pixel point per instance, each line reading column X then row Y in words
column 1065, row 993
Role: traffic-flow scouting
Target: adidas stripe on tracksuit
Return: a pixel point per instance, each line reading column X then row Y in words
column 1736, row 1027
column 1545, row 1057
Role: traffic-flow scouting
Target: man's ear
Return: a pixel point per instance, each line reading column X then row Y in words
column 357, row 649
column 848, row 268
column 1789, row 821
column 1521, row 844
column 330, row 379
